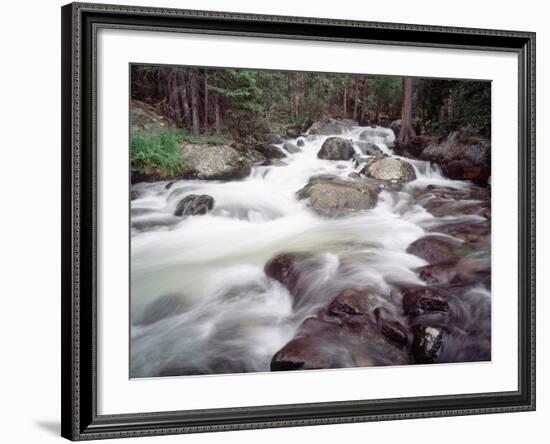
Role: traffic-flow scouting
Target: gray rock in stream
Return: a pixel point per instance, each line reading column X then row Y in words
column 331, row 126
column 331, row 196
column 291, row 148
column 194, row 205
column 214, row 162
column 391, row 169
column 336, row 148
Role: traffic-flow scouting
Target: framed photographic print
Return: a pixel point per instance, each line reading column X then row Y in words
column 280, row 221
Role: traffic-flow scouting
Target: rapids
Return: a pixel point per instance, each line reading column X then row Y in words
column 200, row 300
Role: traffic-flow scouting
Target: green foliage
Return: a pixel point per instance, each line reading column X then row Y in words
column 157, row 153
column 385, row 95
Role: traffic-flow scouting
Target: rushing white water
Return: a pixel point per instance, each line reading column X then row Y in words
column 208, row 269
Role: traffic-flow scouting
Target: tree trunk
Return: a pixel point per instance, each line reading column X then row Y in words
column 355, row 98
column 406, row 113
column 364, row 105
column 205, row 118
column 194, row 102
column 217, row 113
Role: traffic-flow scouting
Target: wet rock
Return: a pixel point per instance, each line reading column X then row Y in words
column 463, row 155
column 274, row 139
column 291, row 270
column 169, row 185
column 349, row 302
column 291, row 148
column 254, row 156
column 391, row 169
column 310, row 353
column 390, row 327
column 194, row 204
column 427, row 342
column 135, row 194
column 214, row 162
column 300, row 142
column 465, row 271
column 434, row 250
column 334, row 197
column 417, row 301
column 331, row 126
column 336, row 148
column 274, row 162
column 369, row 149
column 354, row 175
column 467, row 231
column 271, row 151
column 294, row 132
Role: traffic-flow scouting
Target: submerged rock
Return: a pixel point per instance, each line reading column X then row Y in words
column 336, row 148
column 333, row 197
column 194, row 204
column 391, row 327
column 391, row 169
column 214, row 162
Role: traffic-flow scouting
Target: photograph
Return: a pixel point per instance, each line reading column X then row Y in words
column 292, row 220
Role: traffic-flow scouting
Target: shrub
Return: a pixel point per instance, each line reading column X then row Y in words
column 157, row 154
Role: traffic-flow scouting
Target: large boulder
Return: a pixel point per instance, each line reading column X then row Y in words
column 390, row 168
column 333, row 197
column 462, row 156
column 214, row 162
column 331, row 126
column 336, row 148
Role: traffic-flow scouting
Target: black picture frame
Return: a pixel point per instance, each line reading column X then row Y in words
column 80, row 420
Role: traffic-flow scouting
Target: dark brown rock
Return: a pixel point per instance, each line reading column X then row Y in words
column 434, row 249
column 194, row 204
column 427, row 342
column 349, row 302
column 417, row 301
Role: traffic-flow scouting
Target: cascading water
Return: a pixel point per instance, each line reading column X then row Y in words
column 200, row 300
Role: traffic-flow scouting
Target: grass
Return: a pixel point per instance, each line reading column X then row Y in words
column 158, row 154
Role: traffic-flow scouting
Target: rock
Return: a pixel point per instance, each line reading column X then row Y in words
column 291, row 148
column 274, row 139
column 417, row 301
column 333, row 197
column 331, row 126
column 254, row 156
column 214, row 162
column 395, row 126
column 427, row 342
column 294, row 132
column 271, row 152
column 354, row 175
column 390, row 327
column 300, row 142
column 391, row 169
column 462, row 156
column 310, row 353
column 349, row 302
column 194, row 204
column 291, row 270
column 145, row 118
column 434, row 249
column 369, row 149
column 135, row 194
column 468, row 232
column 465, row 271
column 274, row 162
column 336, row 148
